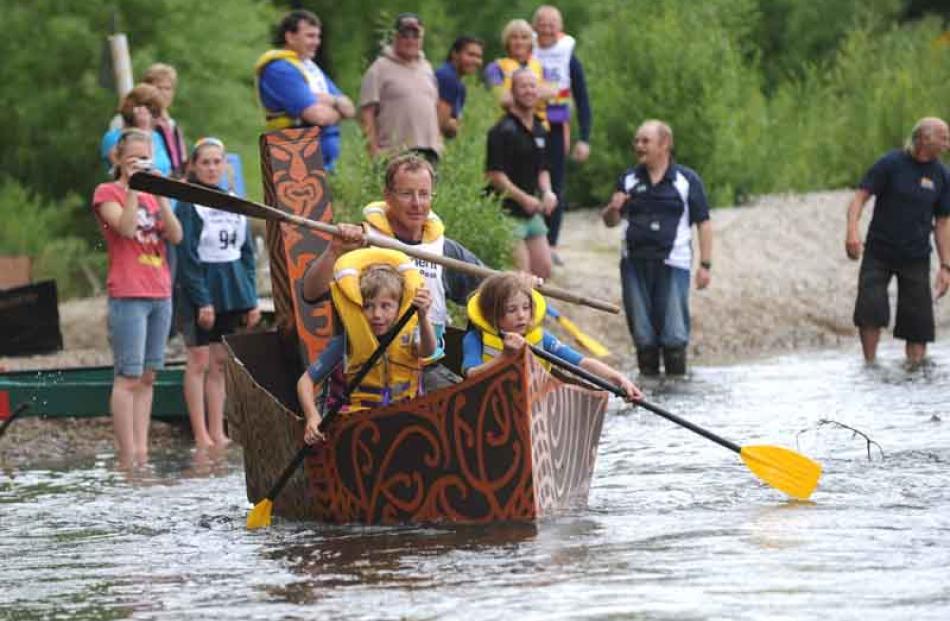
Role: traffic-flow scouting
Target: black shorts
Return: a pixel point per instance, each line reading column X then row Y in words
column 224, row 324
column 915, row 313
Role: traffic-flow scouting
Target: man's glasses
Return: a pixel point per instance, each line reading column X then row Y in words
column 409, row 33
column 406, row 196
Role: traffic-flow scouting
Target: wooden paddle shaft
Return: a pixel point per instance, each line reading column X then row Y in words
column 189, row 192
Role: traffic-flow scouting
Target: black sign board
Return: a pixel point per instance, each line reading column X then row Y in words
column 29, row 320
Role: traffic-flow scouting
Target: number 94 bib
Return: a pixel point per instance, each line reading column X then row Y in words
column 222, row 235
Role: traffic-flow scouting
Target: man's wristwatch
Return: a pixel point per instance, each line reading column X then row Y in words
column 705, row 265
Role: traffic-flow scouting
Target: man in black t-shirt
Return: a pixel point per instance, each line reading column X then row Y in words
column 912, row 190
column 516, row 168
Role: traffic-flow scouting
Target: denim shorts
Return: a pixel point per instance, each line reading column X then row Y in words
column 138, row 329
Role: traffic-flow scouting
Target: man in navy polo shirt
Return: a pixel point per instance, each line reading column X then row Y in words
column 465, row 58
column 295, row 91
column 658, row 201
column 912, row 197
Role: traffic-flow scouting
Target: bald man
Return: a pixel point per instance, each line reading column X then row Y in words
column 911, row 187
column 659, row 201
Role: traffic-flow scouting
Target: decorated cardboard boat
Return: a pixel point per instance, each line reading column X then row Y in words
column 514, row 443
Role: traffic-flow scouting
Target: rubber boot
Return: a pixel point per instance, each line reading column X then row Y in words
column 649, row 361
column 674, row 360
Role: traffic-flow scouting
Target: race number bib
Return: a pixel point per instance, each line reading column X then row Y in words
column 222, row 235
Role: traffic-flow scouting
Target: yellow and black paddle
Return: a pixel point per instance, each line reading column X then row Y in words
column 260, row 515
column 782, row 468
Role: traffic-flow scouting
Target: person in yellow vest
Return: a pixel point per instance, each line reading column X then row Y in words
column 518, row 41
column 295, row 91
column 506, row 313
column 371, row 289
column 405, row 213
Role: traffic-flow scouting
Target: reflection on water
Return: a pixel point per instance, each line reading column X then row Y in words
column 676, row 528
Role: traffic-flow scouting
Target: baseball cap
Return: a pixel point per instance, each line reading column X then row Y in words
column 408, row 21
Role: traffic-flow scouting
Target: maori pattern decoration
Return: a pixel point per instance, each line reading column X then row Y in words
column 295, row 182
column 513, row 444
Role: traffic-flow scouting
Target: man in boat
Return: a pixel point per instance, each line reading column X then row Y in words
column 658, row 201
column 912, row 197
column 405, row 213
column 295, row 91
column 555, row 51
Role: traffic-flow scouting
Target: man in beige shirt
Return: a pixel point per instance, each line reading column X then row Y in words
column 399, row 95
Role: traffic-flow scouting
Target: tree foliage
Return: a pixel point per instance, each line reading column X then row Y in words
column 763, row 95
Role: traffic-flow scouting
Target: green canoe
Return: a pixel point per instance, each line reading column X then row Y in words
column 84, row 391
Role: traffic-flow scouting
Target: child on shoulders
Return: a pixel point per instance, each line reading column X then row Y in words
column 507, row 313
column 371, row 289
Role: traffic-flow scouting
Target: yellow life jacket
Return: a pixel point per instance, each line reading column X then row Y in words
column 492, row 343
column 433, row 240
column 278, row 119
column 396, row 375
column 508, row 67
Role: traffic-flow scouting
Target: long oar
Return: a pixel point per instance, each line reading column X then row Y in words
column 595, row 347
column 260, row 515
column 193, row 193
column 782, row 468
column 23, row 407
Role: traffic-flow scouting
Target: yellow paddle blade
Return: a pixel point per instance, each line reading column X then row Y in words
column 587, row 342
column 783, row 469
column 259, row 517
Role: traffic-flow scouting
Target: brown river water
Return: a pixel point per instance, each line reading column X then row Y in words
column 676, row 527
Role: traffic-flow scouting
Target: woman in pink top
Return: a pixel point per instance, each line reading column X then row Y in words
column 135, row 226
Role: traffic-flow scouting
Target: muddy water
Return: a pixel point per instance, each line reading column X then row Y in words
column 677, row 528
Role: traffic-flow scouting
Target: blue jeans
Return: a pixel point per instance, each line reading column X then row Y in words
column 138, row 329
column 656, row 302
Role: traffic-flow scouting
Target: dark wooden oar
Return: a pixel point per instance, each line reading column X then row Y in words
column 201, row 195
column 782, row 468
column 260, row 515
column 23, row 407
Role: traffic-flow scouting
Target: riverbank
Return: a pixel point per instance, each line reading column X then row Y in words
column 780, row 282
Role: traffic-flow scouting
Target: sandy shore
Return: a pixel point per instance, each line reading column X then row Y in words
column 781, row 282
column 780, row 279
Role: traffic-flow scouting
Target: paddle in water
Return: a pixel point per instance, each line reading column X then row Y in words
column 260, row 515
column 782, row 468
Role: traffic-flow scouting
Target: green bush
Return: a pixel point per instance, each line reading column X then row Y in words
column 41, row 231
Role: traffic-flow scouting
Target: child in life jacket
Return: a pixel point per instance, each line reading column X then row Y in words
column 371, row 289
column 507, row 313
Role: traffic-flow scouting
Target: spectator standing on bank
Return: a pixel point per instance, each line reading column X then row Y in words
column 165, row 79
column 562, row 69
column 658, row 201
column 295, row 91
column 218, row 293
column 517, row 38
column 465, row 58
column 912, row 198
column 140, row 109
column 399, row 96
column 516, row 168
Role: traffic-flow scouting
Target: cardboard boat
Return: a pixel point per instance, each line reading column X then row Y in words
column 515, row 443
